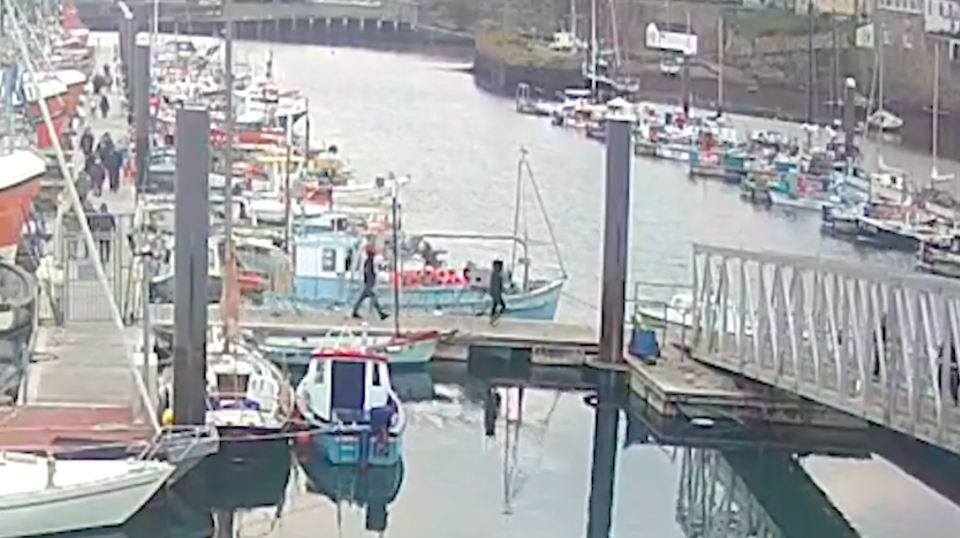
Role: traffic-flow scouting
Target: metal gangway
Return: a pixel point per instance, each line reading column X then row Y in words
column 871, row 341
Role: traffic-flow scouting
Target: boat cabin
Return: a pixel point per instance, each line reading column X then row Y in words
column 329, row 254
column 349, row 386
column 234, row 383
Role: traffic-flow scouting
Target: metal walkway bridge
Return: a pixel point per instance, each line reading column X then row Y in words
column 872, row 342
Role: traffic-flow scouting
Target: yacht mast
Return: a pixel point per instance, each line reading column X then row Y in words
column 936, row 111
column 721, row 42
column 395, row 239
column 573, row 19
column 593, row 47
column 228, row 143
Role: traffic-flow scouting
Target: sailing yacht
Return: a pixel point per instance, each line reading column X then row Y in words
column 247, row 395
column 45, row 495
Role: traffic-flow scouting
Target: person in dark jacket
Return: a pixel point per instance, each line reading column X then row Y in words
column 98, row 84
column 113, row 164
column 86, row 142
column 97, row 176
column 496, row 291
column 105, row 148
column 102, row 226
column 369, row 285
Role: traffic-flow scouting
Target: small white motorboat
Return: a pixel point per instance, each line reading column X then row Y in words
column 811, row 203
column 678, row 313
column 347, row 398
column 884, row 120
column 246, row 393
column 44, row 495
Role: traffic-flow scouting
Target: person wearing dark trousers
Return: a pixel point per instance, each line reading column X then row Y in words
column 496, row 291
column 104, row 105
column 86, row 142
column 369, row 285
column 103, row 226
column 113, row 170
column 97, row 176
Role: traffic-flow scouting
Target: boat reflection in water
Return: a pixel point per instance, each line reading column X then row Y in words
column 368, row 488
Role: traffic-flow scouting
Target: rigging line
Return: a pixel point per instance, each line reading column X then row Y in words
column 516, row 205
column 546, row 218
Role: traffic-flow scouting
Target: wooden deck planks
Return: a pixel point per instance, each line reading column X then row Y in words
column 471, row 330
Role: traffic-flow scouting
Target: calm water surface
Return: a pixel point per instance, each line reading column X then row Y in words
column 415, row 115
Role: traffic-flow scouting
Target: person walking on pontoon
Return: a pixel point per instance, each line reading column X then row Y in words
column 496, row 291
column 369, row 285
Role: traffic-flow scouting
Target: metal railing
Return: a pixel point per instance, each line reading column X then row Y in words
column 868, row 341
column 77, row 294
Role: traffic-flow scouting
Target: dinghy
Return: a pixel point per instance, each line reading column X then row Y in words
column 415, row 347
column 347, row 399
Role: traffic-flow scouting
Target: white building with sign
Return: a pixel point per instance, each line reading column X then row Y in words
column 669, row 38
column 942, row 17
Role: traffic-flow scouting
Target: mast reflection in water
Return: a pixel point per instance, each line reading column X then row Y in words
column 677, row 479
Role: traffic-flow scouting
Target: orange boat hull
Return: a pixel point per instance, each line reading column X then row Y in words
column 72, row 98
column 58, row 107
column 16, row 203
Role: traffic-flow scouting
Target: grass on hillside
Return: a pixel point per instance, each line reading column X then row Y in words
column 754, row 23
column 517, row 50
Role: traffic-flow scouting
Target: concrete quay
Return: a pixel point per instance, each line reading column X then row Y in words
column 331, row 21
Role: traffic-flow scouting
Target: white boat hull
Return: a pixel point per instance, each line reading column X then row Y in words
column 798, row 202
column 107, row 503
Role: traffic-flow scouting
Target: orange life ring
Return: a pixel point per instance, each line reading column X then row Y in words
column 456, row 277
column 429, row 278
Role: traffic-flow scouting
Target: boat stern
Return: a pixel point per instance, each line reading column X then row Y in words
column 361, row 447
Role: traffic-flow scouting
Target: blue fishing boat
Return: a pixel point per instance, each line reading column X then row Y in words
column 414, row 276
column 329, row 273
column 347, row 400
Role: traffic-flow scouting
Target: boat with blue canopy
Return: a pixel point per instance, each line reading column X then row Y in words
column 348, row 402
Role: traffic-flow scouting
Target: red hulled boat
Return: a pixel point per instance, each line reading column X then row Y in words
column 20, row 174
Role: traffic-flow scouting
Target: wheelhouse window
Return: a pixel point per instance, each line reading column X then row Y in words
column 376, row 375
column 328, row 260
column 232, row 385
column 320, row 376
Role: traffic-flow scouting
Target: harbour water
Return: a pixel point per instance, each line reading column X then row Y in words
column 455, row 481
column 420, row 116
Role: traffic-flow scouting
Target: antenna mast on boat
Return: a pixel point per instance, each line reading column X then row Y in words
column 395, row 230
